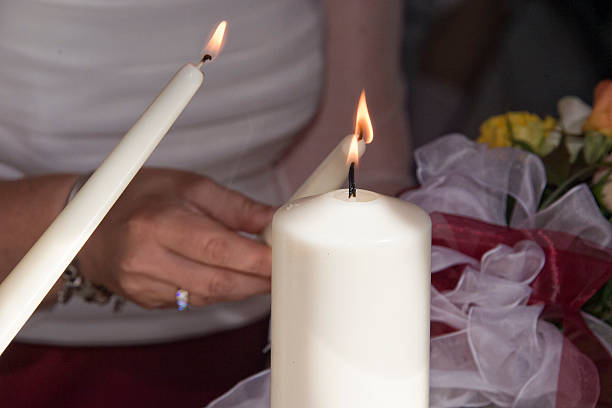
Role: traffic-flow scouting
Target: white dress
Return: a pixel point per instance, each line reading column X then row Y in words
column 76, row 74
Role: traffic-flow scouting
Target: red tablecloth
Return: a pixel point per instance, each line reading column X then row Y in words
column 181, row 374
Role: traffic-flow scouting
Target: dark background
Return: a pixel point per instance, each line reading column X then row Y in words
column 466, row 60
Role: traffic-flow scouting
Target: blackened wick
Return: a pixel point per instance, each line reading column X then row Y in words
column 352, row 190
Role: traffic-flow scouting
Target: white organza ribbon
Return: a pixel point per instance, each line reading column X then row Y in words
column 253, row 392
column 459, row 176
column 502, row 349
column 503, row 354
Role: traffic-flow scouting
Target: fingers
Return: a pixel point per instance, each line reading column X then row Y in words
column 205, row 241
column 146, row 291
column 152, row 293
column 156, row 286
column 230, row 207
column 208, row 284
column 180, row 234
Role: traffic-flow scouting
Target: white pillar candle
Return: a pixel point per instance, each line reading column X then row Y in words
column 26, row 286
column 350, row 303
column 329, row 175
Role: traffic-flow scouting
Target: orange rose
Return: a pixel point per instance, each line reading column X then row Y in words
column 600, row 119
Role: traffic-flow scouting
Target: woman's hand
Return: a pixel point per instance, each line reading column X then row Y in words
column 172, row 229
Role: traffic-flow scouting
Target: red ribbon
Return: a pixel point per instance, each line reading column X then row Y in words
column 574, row 270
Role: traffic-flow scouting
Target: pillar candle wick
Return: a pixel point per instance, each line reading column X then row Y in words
column 352, row 190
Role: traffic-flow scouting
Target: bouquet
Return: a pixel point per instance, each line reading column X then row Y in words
column 574, row 149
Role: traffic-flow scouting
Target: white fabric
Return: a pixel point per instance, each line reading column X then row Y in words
column 253, row 392
column 502, row 355
column 459, row 176
column 76, row 74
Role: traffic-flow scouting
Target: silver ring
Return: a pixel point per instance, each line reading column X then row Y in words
column 182, row 299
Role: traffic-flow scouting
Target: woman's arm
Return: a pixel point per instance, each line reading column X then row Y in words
column 27, row 208
column 363, row 51
column 170, row 229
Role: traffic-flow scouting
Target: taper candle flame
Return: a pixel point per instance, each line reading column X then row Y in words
column 363, row 124
column 215, row 44
column 353, row 153
column 363, row 130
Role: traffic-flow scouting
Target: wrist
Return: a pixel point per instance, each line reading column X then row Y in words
column 72, row 282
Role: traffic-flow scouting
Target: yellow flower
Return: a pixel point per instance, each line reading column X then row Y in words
column 517, row 129
column 494, row 132
column 550, row 123
column 600, row 119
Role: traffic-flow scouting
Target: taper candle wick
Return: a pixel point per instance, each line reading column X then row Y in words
column 206, row 57
column 360, row 134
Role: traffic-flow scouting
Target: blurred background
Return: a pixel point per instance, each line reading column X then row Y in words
column 466, row 60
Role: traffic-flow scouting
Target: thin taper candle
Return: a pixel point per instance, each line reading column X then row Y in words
column 28, row 283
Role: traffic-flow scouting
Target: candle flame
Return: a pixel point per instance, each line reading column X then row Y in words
column 363, row 124
column 353, row 153
column 215, row 44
